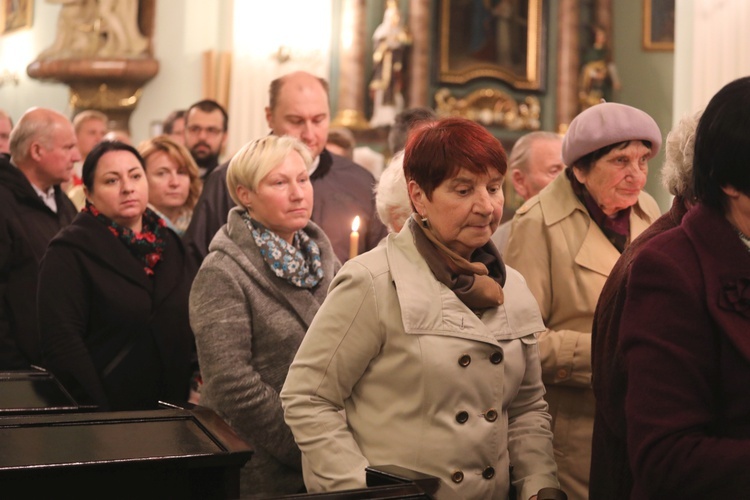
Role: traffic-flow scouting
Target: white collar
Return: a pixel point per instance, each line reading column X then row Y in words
column 47, row 197
column 314, row 165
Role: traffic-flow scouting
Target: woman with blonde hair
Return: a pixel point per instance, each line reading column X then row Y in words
column 266, row 274
column 173, row 181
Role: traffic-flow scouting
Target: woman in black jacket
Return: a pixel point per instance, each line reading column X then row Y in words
column 113, row 294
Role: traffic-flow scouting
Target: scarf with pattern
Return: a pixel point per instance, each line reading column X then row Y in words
column 298, row 263
column 146, row 246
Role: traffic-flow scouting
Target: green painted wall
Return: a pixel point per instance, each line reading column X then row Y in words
column 647, row 81
column 646, row 76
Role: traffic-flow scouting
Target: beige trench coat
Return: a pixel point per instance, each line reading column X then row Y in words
column 566, row 259
column 409, row 362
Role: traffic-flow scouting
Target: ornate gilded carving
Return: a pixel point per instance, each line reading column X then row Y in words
column 491, row 107
column 104, row 97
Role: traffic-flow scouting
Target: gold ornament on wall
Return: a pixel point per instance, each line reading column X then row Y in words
column 491, row 107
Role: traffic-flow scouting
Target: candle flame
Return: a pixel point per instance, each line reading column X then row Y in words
column 355, row 224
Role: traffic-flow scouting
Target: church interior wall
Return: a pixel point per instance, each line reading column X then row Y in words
column 185, row 29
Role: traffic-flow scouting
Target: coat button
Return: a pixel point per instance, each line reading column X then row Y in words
column 488, row 472
column 462, row 417
column 457, row 476
column 491, row 415
column 496, row 357
column 562, row 373
column 464, row 360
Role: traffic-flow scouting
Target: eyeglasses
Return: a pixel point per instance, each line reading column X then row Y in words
column 210, row 131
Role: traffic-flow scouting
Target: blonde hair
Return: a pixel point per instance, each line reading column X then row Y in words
column 257, row 158
column 181, row 156
column 86, row 115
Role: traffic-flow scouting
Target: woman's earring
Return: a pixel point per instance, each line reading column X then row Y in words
column 424, row 220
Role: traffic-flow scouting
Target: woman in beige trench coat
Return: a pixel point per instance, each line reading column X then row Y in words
column 565, row 241
column 428, row 342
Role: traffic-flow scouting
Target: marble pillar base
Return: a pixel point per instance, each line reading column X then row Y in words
column 112, row 86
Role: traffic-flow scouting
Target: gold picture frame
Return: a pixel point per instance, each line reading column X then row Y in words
column 658, row 25
column 501, row 39
column 16, row 15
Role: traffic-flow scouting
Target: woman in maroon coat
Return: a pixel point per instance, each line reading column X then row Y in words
column 686, row 326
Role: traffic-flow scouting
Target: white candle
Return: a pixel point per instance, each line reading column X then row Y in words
column 354, row 238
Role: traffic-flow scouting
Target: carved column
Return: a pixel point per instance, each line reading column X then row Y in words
column 352, row 67
column 419, row 65
column 603, row 17
column 568, row 62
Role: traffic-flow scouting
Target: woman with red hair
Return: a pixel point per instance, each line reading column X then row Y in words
column 428, row 342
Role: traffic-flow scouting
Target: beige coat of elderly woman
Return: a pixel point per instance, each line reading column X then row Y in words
column 426, row 384
column 566, row 259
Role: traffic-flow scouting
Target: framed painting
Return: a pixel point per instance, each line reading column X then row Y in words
column 501, row 39
column 658, row 24
column 16, row 15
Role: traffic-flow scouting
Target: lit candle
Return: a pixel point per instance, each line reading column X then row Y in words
column 354, row 239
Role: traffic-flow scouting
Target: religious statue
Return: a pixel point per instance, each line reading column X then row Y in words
column 96, row 29
column 390, row 41
column 503, row 12
column 119, row 19
column 598, row 78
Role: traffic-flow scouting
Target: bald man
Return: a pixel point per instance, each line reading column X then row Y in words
column 33, row 208
column 298, row 106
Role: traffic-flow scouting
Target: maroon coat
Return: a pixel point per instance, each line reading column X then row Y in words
column 685, row 336
column 610, row 477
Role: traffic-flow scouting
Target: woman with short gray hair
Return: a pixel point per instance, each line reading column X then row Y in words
column 392, row 197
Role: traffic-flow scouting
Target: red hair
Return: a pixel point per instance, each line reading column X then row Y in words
column 437, row 150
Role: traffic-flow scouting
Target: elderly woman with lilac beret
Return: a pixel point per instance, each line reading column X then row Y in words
column 565, row 241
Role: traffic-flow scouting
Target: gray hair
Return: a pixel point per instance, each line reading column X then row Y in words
column 392, row 196
column 677, row 171
column 521, row 152
column 257, row 158
column 36, row 124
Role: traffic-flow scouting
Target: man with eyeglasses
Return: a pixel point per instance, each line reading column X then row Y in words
column 206, row 134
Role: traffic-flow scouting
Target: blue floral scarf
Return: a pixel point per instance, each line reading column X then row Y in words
column 298, row 263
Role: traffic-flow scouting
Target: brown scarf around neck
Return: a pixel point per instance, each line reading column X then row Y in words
column 477, row 284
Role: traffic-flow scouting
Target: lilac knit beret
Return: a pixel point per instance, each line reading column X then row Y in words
column 608, row 123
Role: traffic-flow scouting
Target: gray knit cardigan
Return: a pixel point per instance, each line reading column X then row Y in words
column 248, row 324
